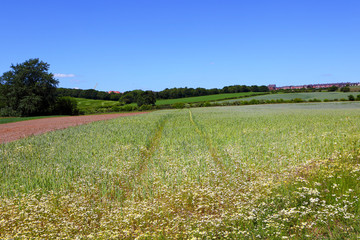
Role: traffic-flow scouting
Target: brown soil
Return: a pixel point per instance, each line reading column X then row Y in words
column 13, row 131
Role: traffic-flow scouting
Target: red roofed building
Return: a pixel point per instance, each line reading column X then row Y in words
column 114, row 92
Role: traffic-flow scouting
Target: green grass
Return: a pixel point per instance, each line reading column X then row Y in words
column 263, row 171
column 90, row 105
column 18, row 119
column 304, row 96
column 215, row 97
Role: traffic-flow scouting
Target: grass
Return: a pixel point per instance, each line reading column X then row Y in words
column 91, row 106
column 264, row 171
column 215, row 97
column 18, row 119
column 304, row 96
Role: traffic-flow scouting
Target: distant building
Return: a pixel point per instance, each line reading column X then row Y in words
column 316, row 86
column 272, row 87
column 114, row 92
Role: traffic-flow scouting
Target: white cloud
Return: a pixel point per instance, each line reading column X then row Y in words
column 63, row 75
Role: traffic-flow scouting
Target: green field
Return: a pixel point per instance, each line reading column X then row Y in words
column 215, row 97
column 304, row 96
column 19, row 119
column 248, row 172
column 90, row 105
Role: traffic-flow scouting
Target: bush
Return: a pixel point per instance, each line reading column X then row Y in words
column 351, row 98
column 314, row 100
column 128, row 108
column 66, row 106
column 345, row 89
column 326, row 100
column 297, row 100
column 9, row 112
column 205, row 104
column 358, row 97
column 178, row 105
column 145, row 107
column 343, row 99
column 332, row 88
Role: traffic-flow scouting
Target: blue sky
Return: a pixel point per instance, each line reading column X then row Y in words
column 138, row 44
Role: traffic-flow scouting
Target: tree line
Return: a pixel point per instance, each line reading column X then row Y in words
column 168, row 93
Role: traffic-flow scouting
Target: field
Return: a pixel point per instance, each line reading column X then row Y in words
column 215, row 97
column 249, row 172
column 19, row 119
column 91, row 106
column 304, row 96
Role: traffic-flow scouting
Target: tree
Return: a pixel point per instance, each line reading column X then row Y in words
column 351, row 98
column 66, row 106
column 333, row 88
column 28, row 89
column 345, row 89
column 146, row 98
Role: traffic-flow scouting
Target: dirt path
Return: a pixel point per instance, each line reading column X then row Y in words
column 13, row 131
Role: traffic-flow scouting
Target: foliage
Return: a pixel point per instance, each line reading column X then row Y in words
column 333, row 88
column 178, row 105
column 351, row 98
column 28, row 89
column 66, row 106
column 146, row 107
column 251, row 172
column 345, row 89
column 146, row 98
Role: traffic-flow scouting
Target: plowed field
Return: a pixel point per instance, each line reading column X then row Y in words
column 13, row 131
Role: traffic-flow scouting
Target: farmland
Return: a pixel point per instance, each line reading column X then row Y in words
column 91, row 106
column 304, row 96
column 264, row 171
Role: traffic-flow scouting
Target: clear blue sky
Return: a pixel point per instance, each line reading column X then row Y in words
column 152, row 44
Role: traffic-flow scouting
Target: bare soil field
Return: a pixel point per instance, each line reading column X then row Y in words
column 14, row 131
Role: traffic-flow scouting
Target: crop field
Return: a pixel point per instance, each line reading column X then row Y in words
column 90, row 105
column 249, row 172
column 304, row 96
column 215, row 97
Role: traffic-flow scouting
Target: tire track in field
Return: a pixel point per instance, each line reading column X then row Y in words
column 212, row 149
column 146, row 156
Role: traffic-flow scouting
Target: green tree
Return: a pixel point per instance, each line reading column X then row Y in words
column 333, row 88
column 345, row 89
column 351, row 98
column 146, row 98
column 28, row 89
column 66, row 106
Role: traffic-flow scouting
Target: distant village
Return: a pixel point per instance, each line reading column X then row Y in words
column 324, row 85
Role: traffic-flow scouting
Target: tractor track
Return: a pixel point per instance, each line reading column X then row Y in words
column 212, row 149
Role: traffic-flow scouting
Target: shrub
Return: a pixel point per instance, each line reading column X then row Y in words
column 145, row 107
column 178, row 105
column 9, row 112
column 314, row 100
column 345, row 89
column 297, row 100
column 351, row 98
column 66, row 106
column 358, row 97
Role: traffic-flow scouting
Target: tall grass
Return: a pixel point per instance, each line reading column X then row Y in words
column 230, row 172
